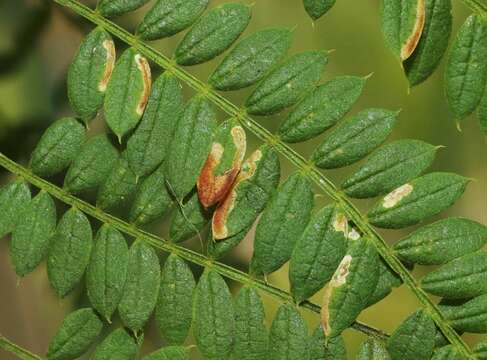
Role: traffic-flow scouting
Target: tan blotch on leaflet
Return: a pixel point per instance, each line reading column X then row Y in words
column 144, row 68
column 110, row 65
column 412, row 41
column 213, row 189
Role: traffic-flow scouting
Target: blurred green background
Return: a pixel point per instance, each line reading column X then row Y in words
column 37, row 42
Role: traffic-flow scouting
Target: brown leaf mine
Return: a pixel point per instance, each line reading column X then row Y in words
column 109, row 66
column 212, row 189
column 144, row 68
column 410, row 45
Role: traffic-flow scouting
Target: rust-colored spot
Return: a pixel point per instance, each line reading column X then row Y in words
column 144, row 68
column 397, row 195
column 338, row 279
column 410, row 45
column 212, row 189
column 220, row 216
column 109, row 66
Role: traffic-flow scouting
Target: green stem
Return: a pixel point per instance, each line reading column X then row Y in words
column 310, row 170
column 477, row 6
column 161, row 244
column 17, row 350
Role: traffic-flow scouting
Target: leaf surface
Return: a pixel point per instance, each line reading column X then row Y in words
column 117, row 345
column 112, row 8
column 318, row 8
column 372, row 350
column 14, row 197
column 321, row 349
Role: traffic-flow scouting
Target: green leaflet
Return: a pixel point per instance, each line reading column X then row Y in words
column 389, row 167
column 213, row 326
column 480, row 350
column 111, row 8
column 320, row 349
column 446, row 353
column 223, row 163
column 250, row 331
column 168, row 17
column 466, row 70
column 322, row 109
column 213, row 33
column 91, row 166
column 69, row 252
column 372, row 350
column 442, row 241
column 90, row 72
column 57, row 147
column 31, row 236
column 118, row 187
column 421, row 198
column 317, row 253
column 75, row 335
column 414, row 339
column 127, row 92
column 152, row 200
column 149, row 144
column 251, row 59
column 282, row 223
column 141, row 288
column 249, row 195
column 169, row 353
column 317, row 8
column 402, row 25
column 174, row 307
column 107, row 270
column 14, row 197
column 482, row 113
column 118, row 345
column 433, row 42
column 219, row 248
column 470, row 316
column 355, row 138
column 190, row 146
column 287, row 84
column 288, row 338
column 189, row 220
column 347, row 294
column 388, row 280
column 461, row 278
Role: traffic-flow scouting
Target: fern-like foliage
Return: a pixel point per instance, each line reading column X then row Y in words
column 165, row 152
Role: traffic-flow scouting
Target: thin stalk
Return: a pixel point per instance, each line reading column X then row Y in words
column 307, row 168
column 17, row 350
column 166, row 246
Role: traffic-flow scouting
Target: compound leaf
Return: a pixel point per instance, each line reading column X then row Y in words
column 355, row 138
column 190, row 146
column 250, row 331
column 466, row 70
column 75, row 335
column 58, row 146
column 287, row 84
column 14, row 198
column 282, row 223
column 90, row 72
column 149, row 144
column 251, row 59
column 127, row 92
column 317, row 253
column 322, row 109
column 69, row 252
column 214, row 323
column 433, row 42
column 442, row 241
column 118, row 345
column 142, row 286
column 250, row 193
column 174, row 307
column 31, row 236
column 213, row 33
column 91, row 166
column 421, row 198
column 107, row 271
column 389, row 167
column 169, row 17
column 288, row 338
column 414, row 339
